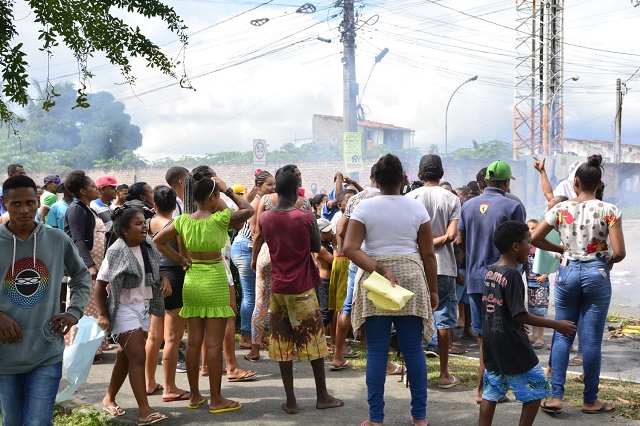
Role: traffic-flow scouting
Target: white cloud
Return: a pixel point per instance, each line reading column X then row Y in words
column 431, row 51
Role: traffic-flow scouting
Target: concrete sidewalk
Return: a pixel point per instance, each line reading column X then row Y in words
column 262, row 398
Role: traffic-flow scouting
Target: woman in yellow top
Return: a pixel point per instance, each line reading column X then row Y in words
column 205, row 293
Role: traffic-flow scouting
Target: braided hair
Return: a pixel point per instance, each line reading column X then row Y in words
column 198, row 175
column 261, row 177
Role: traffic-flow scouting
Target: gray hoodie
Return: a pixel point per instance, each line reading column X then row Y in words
column 32, row 272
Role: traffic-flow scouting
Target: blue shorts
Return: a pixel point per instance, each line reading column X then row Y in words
column 461, row 290
column 351, row 281
column 532, row 385
column 475, row 300
column 446, row 315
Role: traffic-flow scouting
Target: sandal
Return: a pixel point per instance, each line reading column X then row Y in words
column 151, row 419
column 575, row 361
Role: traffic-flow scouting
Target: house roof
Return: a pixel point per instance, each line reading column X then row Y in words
column 598, row 142
column 366, row 123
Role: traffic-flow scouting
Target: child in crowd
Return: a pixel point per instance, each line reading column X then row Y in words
column 509, row 359
column 137, row 291
column 324, row 260
column 538, row 293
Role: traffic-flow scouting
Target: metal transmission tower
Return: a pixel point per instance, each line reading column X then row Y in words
column 538, row 111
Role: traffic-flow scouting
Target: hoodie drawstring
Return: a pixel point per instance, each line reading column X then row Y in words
column 13, row 263
column 35, row 245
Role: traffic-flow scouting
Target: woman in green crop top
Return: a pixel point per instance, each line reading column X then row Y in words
column 205, row 294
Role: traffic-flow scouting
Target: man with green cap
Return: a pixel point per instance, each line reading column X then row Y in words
column 479, row 217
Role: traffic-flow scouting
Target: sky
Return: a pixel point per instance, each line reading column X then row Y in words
column 266, row 82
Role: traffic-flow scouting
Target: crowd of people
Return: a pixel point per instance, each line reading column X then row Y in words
column 150, row 263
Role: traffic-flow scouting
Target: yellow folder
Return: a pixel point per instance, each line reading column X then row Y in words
column 384, row 295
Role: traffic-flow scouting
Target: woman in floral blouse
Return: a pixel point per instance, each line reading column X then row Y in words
column 592, row 241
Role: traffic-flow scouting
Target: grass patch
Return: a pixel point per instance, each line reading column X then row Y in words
column 625, row 395
column 78, row 416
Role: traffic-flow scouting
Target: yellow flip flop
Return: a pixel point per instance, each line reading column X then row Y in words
column 229, row 407
column 193, row 407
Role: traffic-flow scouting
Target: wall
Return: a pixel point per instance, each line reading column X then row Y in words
column 584, row 148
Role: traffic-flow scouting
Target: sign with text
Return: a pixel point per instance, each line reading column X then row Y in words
column 352, row 152
column 259, row 154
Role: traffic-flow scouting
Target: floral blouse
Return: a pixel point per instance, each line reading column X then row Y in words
column 584, row 227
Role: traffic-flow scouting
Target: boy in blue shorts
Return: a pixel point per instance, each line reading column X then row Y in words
column 510, row 361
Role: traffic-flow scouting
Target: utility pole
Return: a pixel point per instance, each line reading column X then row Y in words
column 350, row 87
column 617, row 132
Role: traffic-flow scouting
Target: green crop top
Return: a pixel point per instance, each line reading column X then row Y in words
column 201, row 235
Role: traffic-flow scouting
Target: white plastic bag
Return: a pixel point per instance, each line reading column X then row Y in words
column 78, row 357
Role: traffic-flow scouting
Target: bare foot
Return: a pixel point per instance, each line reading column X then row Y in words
column 329, row 402
column 290, row 410
column 204, row 371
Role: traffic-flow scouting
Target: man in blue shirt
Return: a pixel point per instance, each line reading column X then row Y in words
column 479, row 218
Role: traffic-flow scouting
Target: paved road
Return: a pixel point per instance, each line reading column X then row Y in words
column 262, row 399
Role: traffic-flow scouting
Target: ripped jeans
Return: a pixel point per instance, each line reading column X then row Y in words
column 582, row 293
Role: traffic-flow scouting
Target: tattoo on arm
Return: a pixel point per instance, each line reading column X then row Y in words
column 379, row 268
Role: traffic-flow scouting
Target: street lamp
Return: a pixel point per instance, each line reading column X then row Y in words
column 446, row 113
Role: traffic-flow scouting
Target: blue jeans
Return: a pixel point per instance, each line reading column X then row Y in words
column 351, row 280
column 582, row 294
column 409, row 332
column 27, row 399
column 241, row 257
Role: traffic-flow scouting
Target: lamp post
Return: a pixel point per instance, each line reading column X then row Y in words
column 446, row 113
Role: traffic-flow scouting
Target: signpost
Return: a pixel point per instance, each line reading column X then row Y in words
column 259, row 154
column 353, row 152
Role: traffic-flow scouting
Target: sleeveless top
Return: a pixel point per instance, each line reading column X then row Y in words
column 201, row 235
column 165, row 261
column 268, row 205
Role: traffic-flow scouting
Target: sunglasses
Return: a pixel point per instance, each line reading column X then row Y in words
column 57, row 181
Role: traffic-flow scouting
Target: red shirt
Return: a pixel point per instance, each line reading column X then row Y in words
column 288, row 235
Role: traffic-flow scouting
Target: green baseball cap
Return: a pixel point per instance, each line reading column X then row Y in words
column 499, row 170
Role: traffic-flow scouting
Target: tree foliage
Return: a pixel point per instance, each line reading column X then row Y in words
column 492, row 150
column 70, row 138
column 85, row 27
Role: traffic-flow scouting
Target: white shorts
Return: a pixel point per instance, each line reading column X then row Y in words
column 132, row 317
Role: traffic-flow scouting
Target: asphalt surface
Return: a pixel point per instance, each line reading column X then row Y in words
column 262, row 399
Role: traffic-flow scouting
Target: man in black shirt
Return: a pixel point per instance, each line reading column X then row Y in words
column 509, row 359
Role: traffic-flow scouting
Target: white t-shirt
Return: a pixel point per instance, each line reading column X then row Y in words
column 129, row 295
column 443, row 207
column 334, row 221
column 391, row 223
column 179, row 208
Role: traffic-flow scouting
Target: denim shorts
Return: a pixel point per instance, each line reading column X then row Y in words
column 131, row 317
column 530, row 386
column 446, row 315
column 475, row 301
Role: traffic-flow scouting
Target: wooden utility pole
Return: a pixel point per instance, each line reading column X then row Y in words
column 617, row 132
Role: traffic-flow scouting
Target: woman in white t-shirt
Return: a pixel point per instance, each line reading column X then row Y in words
column 592, row 241
column 391, row 235
column 136, row 291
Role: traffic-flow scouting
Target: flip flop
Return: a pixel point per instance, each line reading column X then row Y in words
column 350, row 354
column 227, row 408
column 397, row 371
column 605, row 408
column 193, row 407
column 455, row 382
column 537, row 345
column 342, row 366
column 248, row 358
column 246, row 377
column 184, row 396
column 155, row 391
column 413, row 421
column 151, row 419
column 575, row 362
column 550, row 410
column 454, row 350
column 114, row 410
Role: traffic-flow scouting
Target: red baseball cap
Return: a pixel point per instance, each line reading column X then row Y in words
column 106, row 180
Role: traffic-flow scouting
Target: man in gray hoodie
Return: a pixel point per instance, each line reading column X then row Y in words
column 34, row 260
